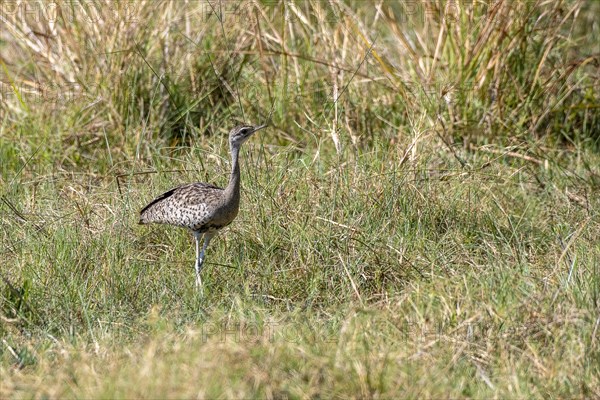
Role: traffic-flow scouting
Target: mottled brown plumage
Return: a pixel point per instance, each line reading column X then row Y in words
column 190, row 206
column 200, row 207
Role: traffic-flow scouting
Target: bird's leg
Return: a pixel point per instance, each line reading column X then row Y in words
column 200, row 255
column 198, row 266
column 207, row 237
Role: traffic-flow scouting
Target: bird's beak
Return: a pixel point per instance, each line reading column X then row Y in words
column 258, row 128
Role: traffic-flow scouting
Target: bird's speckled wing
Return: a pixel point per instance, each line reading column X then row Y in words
column 189, row 206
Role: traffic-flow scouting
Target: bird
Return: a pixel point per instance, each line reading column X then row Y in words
column 202, row 208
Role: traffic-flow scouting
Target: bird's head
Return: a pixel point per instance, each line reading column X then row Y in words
column 241, row 133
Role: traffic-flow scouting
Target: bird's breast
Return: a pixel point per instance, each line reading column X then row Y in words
column 226, row 214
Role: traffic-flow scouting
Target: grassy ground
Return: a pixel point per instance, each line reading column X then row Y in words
column 419, row 221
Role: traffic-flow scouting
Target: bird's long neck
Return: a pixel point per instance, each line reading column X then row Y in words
column 232, row 191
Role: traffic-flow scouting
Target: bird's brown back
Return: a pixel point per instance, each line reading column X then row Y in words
column 190, row 206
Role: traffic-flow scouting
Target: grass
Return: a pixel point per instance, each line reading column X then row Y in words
column 430, row 233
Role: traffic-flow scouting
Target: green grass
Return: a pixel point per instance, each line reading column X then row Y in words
column 444, row 248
